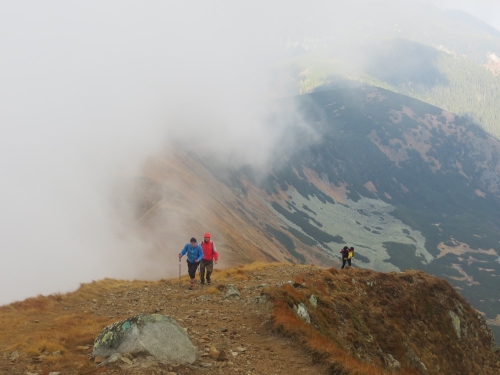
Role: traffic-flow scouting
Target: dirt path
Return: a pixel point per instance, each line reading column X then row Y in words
column 238, row 327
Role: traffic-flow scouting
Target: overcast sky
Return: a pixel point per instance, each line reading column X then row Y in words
column 88, row 90
column 486, row 10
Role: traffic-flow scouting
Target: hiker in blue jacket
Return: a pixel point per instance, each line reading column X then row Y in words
column 194, row 256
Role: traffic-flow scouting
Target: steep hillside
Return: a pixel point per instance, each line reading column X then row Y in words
column 445, row 58
column 440, row 78
column 360, row 322
column 179, row 196
column 398, row 321
column 409, row 185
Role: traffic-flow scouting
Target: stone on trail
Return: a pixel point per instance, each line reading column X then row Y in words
column 232, row 291
column 126, row 360
column 158, row 335
column 113, row 358
column 213, row 353
column 14, row 356
column 99, row 359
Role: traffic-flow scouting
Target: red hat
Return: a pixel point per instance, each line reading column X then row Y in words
column 207, row 235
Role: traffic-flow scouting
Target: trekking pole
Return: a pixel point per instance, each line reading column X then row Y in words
column 179, row 271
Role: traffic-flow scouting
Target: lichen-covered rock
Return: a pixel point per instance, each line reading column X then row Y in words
column 232, row 292
column 392, row 362
column 415, row 361
column 313, row 300
column 301, row 311
column 159, row 335
column 455, row 321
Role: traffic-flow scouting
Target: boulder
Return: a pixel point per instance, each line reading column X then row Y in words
column 154, row 334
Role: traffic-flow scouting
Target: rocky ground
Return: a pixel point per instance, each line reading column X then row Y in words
column 260, row 319
column 231, row 327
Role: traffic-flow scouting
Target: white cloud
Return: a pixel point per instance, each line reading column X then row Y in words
column 90, row 89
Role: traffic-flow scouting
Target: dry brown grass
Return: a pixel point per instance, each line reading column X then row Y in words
column 347, row 313
column 390, row 312
column 211, row 290
column 46, row 324
column 62, row 322
column 241, row 272
column 230, row 274
column 287, row 322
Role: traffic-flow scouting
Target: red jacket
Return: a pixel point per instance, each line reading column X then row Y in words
column 209, row 251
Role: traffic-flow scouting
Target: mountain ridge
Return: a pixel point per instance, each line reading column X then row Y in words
column 311, row 203
column 443, row 57
column 360, row 322
column 409, row 185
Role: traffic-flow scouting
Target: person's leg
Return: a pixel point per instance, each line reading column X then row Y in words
column 343, row 263
column 192, row 272
column 210, row 269
column 202, row 272
column 349, row 261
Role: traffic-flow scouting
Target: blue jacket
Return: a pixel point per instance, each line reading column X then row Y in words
column 193, row 253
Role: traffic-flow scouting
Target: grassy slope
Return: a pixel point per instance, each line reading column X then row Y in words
column 373, row 314
column 427, row 165
column 193, row 198
column 361, row 317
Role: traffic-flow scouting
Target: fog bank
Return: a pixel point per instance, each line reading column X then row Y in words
column 91, row 89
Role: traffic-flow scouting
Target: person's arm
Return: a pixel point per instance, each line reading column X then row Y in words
column 183, row 251
column 216, row 254
column 200, row 254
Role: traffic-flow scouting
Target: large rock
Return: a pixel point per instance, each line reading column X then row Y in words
column 158, row 335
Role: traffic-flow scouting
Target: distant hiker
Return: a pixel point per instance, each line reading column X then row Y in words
column 210, row 255
column 194, row 256
column 345, row 256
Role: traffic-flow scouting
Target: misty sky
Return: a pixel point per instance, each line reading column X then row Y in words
column 90, row 89
column 486, row 10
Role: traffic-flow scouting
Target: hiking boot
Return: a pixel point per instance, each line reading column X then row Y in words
column 203, row 282
column 209, row 282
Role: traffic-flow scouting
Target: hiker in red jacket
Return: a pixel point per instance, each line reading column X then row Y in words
column 210, row 255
